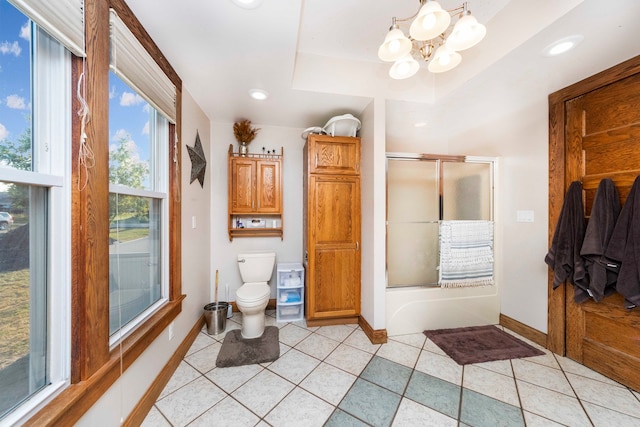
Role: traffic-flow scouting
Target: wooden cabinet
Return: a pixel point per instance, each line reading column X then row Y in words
column 255, row 195
column 332, row 229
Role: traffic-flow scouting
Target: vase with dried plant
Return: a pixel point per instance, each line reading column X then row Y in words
column 244, row 133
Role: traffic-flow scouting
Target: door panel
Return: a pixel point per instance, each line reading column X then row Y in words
column 268, row 184
column 602, row 140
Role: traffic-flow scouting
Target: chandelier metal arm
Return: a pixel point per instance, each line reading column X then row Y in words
column 453, row 12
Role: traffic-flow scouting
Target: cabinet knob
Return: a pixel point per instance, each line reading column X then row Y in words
column 241, row 260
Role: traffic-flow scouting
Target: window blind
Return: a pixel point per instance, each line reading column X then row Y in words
column 133, row 64
column 62, row 19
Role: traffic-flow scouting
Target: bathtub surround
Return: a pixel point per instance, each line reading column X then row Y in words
column 479, row 344
column 237, row 351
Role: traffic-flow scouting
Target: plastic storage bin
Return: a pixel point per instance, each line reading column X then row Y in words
column 290, row 292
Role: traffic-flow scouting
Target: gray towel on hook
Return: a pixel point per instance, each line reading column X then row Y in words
column 602, row 275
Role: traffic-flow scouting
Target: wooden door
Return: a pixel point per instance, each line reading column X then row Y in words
column 242, row 185
column 269, row 199
column 334, row 246
column 601, row 139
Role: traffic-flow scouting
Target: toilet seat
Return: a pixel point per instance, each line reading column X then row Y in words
column 253, row 292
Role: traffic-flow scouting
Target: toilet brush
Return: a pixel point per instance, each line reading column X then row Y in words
column 229, row 309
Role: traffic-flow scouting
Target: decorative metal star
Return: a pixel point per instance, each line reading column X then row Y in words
column 198, row 161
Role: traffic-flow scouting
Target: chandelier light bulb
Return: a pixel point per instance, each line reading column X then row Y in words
column 466, row 33
column 431, row 21
column 395, row 45
column 444, row 59
column 404, row 68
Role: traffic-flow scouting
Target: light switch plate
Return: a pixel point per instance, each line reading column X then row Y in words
column 524, row 216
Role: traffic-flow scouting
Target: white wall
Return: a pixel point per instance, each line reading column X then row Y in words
column 125, row 393
column 287, row 250
column 372, row 172
column 520, row 139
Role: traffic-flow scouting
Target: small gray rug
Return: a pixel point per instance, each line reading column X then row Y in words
column 237, row 351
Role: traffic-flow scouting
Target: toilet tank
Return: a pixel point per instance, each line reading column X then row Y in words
column 256, row 266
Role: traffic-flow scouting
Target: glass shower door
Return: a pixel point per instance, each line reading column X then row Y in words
column 412, row 222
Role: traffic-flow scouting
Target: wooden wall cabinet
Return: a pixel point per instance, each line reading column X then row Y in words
column 255, row 193
column 331, row 221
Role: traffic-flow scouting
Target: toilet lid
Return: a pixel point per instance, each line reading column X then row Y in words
column 250, row 292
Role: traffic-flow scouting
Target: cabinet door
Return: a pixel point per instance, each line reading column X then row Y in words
column 269, row 199
column 334, row 155
column 242, row 185
column 334, row 246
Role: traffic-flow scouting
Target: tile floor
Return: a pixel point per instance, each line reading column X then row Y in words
column 333, row 376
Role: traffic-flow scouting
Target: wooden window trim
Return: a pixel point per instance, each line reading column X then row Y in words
column 94, row 368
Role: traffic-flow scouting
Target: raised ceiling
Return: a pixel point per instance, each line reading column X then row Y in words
column 318, row 58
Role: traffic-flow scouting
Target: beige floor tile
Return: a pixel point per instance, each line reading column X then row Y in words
column 328, row 383
column 204, row 360
column 542, row 376
column 606, row 417
column 294, row 365
column 411, row 413
column 309, row 410
column 500, row 366
column 335, row 332
column 349, row 359
column 533, row 420
column 155, row 419
column 226, row 413
column 183, row 375
column 438, row 366
column 202, row 340
column 552, row 405
column 263, row 392
column 229, row 379
column 492, row 384
column 415, row 340
column 574, row 367
column 317, row 346
column 398, row 352
column 360, row 340
column 433, row 348
column 292, row 334
column 610, row 396
column 189, row 402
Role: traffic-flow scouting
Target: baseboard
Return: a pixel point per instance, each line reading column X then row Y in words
column 139, row 413
column 375, row 336
column 521, row 329
column 332, row 321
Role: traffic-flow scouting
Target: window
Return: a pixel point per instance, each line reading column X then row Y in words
column 137, row 207
column 34, row 193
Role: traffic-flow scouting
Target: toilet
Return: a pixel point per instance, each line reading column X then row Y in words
column 253, row 296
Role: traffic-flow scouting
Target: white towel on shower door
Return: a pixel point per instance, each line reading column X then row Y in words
column 466, row 254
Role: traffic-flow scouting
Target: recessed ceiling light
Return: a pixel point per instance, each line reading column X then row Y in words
column 563, row 45
column 258, row 94
column 420, row 124
column 247, row 4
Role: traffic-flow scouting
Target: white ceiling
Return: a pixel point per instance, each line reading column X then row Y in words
column 318, row 58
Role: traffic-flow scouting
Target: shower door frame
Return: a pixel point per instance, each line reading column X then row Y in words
column 438, row 159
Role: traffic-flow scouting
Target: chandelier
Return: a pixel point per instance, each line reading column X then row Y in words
column 432, row 38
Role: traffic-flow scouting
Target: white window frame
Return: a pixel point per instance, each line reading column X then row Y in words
column 51, row 142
